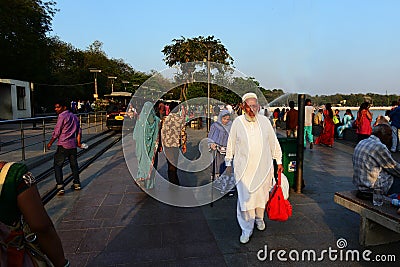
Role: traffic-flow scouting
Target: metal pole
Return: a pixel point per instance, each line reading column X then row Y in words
column 44, row 136
column 88, row 121
column 95, row 86
column 112, row 79
column 22, row 141
column 208, row 91
column 95, row 71
column 101, row 120
column 300, row 144
column 32, row 104
column 95, row 120
column 214, row 168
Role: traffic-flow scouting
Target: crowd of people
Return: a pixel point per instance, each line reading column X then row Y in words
column 241, row 136
column 82, row 106
column 243, row 141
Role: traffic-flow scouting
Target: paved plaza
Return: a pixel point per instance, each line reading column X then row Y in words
column 112, row 222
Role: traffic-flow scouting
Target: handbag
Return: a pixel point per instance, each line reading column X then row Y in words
column 278, row 208
column 18, row 245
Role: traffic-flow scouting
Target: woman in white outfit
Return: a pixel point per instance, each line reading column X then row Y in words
column 252, row 145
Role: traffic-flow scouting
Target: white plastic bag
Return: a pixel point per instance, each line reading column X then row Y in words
column 284, row 184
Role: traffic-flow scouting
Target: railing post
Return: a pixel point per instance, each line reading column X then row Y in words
column 95, row 120
column 44, row 136
column 300, row 144
column 101, row 116
column 88, row 121
column 22, row 141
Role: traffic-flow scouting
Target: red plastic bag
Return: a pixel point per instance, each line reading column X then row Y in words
column 278, row 208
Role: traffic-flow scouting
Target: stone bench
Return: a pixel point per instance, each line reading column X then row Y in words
column 378, row 225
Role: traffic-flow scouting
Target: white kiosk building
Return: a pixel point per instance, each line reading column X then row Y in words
column 15, row 99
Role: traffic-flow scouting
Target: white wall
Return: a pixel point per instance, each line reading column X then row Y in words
column 8, row 96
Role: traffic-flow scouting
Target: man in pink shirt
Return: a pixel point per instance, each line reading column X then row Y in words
column 68, row 132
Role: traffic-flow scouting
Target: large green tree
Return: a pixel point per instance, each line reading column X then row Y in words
column 24, row 48
column 197, row 49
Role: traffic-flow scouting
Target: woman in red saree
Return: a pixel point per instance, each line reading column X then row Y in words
column 363, row 122
column 328, row 134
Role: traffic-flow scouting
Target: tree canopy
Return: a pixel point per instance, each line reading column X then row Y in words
column 23, row 41
column 69, row 72
column 197, row 49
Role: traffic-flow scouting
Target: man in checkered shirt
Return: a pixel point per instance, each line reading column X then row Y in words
column 373, row 164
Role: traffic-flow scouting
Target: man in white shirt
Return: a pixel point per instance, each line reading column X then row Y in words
column 252, row 145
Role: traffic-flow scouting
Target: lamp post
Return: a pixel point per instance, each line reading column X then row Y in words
column 125, row 83
column 152, row 93
column 95, row 71
column 112, row 78
column 208, row 90
column 135, row 86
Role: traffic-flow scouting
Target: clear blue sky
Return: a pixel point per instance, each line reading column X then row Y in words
column 315, row 47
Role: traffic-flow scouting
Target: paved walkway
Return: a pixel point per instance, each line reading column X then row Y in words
column 111, row 222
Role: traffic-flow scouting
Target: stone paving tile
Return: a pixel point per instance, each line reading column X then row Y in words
column 232, row 246
column 134, row 237
column 132, row 188
column 72, row 235
column 236, row 259
column 82, row 213
column 94, row 240
column 195, row 249
column 186, row 233
column 78, row 259
column 91, row 201
column 224, row 229
column 111, row 257
column 129, row 210
column 106, row 212
column 189, row 262
column 113, row 199
column 70, row 247
column 273, row 241
column 132, row 198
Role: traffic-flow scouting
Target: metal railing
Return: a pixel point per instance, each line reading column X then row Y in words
column 34, row 133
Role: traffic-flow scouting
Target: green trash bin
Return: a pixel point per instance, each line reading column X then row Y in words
column 289, row 156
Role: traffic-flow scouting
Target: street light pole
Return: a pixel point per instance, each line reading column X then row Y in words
column 112, row 78
column 135, row 85
column 95, row 71
column 208, row 91
column 125, row 83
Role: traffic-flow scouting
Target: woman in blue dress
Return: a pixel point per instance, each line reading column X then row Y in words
column 146, row 136
column 347, row 123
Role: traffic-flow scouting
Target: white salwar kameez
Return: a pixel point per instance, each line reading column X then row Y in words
column 252, row 146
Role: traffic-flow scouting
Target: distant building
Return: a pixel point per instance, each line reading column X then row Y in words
column 15, row 99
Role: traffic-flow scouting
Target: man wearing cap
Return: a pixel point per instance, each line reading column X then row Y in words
column 252, row 145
